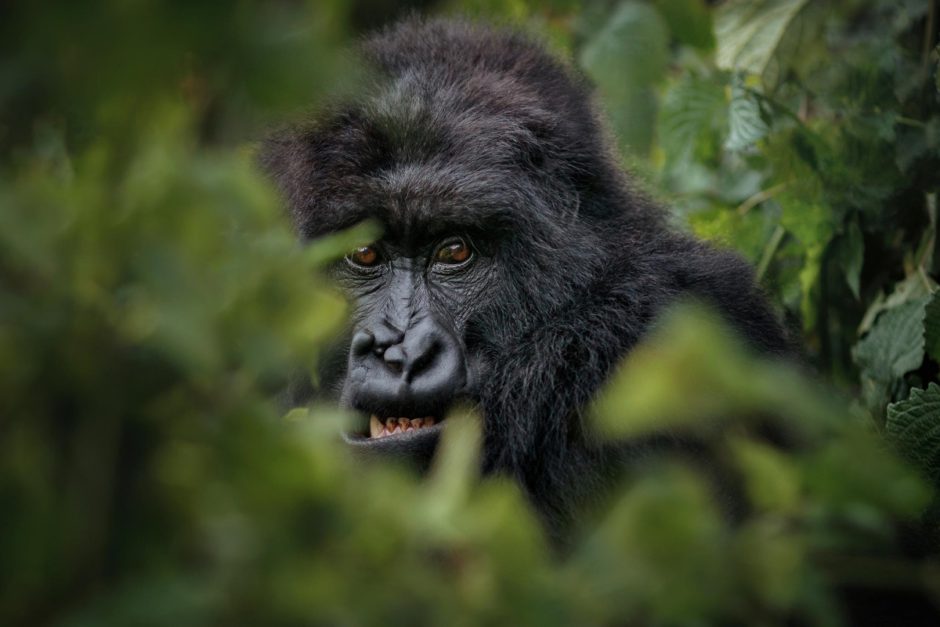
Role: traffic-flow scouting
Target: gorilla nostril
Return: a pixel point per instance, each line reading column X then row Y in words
column 362, row 343
column 394, row 358
column 425, row 359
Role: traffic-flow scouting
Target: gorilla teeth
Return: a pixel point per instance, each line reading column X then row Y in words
column 391, row 426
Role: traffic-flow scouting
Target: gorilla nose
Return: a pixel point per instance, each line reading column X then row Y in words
column 417, row 369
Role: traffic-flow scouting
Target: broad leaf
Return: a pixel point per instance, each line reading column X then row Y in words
column 893, row 347
column 630, row 50
column 693, row 112
column 625, row 58
column 913, row 287
column 749, row 31
column 745, row 123
column 914, row 425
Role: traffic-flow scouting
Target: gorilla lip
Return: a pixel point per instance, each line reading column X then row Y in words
column 386, row 427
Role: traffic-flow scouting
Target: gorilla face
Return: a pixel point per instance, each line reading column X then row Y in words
column 408, row 361
column 517, row 264
column 459, row 271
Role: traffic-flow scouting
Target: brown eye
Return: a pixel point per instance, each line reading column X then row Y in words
column 365, row 256
column 453, row 252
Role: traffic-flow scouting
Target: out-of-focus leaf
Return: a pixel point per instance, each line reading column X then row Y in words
column 772, row 559
column 335, row 246
column 634, row 121
column 748, row 233
column 514, row 10
column 808, row 277
column 629, row 50
column 625, row 58
column 914, row 426
column 694, row 111
column 772, row 480
column 850, row 253
column 693, row 372
column 455, row 468
column 745, row 121
column 748, row 31
column 656, row 552
column 689, row 21
column 863, row 482
column 806, row 214
column 915, row 143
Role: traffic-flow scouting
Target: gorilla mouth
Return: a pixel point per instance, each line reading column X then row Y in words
column 387, row 427
column 411, row 440
column 381, row 432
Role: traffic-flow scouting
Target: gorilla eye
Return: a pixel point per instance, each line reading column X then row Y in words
column 453, row 252
column 364, row 256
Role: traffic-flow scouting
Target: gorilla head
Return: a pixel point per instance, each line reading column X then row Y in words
column 517, row 265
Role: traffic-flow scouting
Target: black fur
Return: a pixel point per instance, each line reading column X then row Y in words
column 480, row 130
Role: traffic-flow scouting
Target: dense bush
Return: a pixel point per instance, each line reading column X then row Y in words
column 153, row 301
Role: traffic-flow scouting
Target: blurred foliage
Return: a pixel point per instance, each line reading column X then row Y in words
column 153, row 302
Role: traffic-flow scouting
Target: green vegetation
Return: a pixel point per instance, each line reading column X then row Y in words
column 153, row 301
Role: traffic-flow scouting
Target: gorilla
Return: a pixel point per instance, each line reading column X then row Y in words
column 518, row 264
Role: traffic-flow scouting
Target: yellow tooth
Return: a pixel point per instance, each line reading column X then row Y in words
column 429, row 421
column 403, row 422
column 375, row 426
column 417, row 423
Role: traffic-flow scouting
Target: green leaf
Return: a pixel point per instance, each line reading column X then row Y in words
column 808, row 217
column 913, row 287
column 745, row 123
column 893, row 347
column 693, row 111
column 857, row 478
column 634, row 120
column 625, row 58
column 748, row 233
column 630, row 50
column 772, row 480
column 932, row 327
column 693, row 372
column 914, row 426
column 850, row 252
column 749, row 31
column 689, row 21
column 806, row 212
column 809, row 280
column 455, row 466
